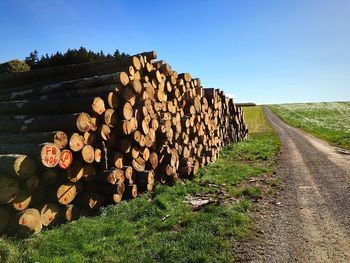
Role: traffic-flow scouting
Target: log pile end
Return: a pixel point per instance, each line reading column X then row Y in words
column 69, row 147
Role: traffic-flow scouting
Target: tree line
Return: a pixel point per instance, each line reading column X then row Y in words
column 71, row 56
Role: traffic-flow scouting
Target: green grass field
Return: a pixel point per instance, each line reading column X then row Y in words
column 256, row 120
column 328, row 120
column 160, row 226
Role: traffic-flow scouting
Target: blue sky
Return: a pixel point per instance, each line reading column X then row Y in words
column 266, row 51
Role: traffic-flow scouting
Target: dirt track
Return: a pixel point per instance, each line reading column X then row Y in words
column 312, row 221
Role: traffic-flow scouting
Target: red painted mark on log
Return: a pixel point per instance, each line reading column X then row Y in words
column 66, row 159
column 47, row 150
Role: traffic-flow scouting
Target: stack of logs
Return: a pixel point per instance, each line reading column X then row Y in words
column 70, row 147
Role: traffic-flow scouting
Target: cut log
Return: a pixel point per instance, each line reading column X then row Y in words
column 47, row 107
column 130, row 191
column 9, row 188
column 84, row 92
column 118, row 160
column 153, row 160
column 88, row 154
column 94, row 123
column 105, row 132
column 137, row 136
column 136, row 85
column 71, row 122
column 149, row 139
column 115, row 176
column 128, row 174
column 28, row 222
column 90, row 137
column 50, row 214
column 90, row 200
column 145, row 153
column 144, row 180
column 129, row 95
column 150, row 55
column 58, row 137
column 75, row 172
column 128, row 111
column 116, row 78
column 22, row 200
column 71, row 213
column 133, row 124
column 110, row 189
column 98, row 105
column 98, row 155
column 54, row 74
column 76, row 142
column 135, row 152
column 138, row 164
column 110, row 117
column 117, row 198
column 48, row 154
column 122, row 128
column 16, row 165
column 136, row 62
column 65, row 193
column 66, row 159
column 158, row 125
column 113, row 99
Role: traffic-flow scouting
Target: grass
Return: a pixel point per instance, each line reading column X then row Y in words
column 256, row 120
column 160, row 226
column 327, row 120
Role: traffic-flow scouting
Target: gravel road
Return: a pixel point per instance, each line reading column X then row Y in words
column 312, row 221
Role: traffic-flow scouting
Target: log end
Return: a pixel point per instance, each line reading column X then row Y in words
column 66, row 159
column 8, row 189
column 28, row 222
column 25, row 166
column 50, row 155
column 84, row 122
column 61, row 139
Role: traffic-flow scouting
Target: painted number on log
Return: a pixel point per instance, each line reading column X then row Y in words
column 66, row 159
column 50, row 155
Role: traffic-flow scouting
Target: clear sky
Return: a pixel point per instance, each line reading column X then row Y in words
column 266, row 51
